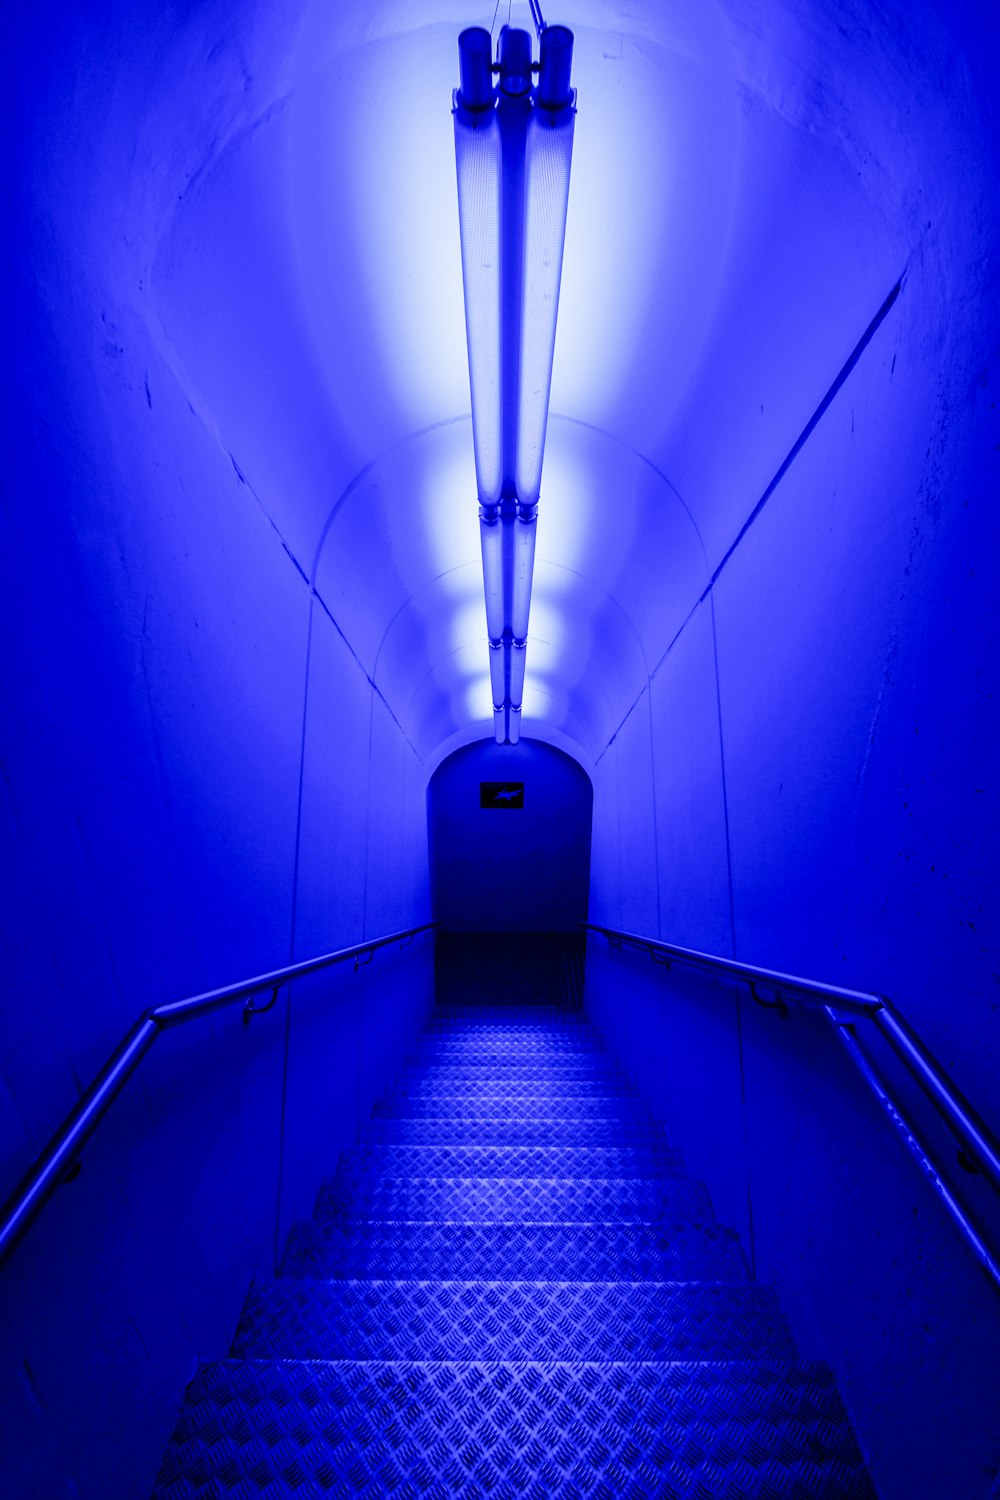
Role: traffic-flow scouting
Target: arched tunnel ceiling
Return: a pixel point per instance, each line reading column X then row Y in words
column 740, row 206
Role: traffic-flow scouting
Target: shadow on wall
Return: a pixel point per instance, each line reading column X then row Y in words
column 509, row 835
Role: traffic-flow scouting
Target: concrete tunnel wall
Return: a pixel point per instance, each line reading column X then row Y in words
column 201, row 784
column 804, row 786
column 205, row 776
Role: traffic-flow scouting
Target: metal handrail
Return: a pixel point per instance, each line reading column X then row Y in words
column 63, row 1151
column 978, row 1141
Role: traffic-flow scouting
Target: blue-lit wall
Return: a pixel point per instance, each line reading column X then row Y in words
column 500, row 869
column 809, row 783
column 200, row 784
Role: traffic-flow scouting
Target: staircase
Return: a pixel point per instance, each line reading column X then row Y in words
column 510, row 1287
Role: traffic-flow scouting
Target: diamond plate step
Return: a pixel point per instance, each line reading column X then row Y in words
column 500, row 1034
column 514, row 1252
column 488, row 1103
column 497, row 1297
column 438, row 1085
column 515, row 1200
column 523, row 1042
column 584, row 1064
column 432, row 1081
column 524, row 1132
column 359, row 1163
column 523, row 1045
column 759, row 1431
column 575, row 1032
column 510, row 1320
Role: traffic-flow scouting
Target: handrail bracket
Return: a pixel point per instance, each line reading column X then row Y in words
column 250, row 1010
column 778, row 1003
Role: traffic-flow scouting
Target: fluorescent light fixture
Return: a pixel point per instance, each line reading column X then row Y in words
column 500, row 725
column 513, row 149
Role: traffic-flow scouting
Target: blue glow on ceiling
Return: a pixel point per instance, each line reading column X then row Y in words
column 320, row 251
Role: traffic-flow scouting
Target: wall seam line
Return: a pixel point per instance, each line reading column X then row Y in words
column 793, row 453
column 291, row 944
column 738, row 999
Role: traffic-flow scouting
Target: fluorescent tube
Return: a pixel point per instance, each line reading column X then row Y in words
column 516, row 690
column 548, row 153
column 491, row 532
column 498, row 674
column 478, row 162
column 522, row 563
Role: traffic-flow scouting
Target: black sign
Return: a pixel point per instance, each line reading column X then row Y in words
column 501, row 794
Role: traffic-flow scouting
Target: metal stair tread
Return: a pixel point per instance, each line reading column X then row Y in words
column 494, row 1302
column 431, row 1085
column 443, row 1160
column 417, row 1251
column 519, row 1044
column 486, row 1105
column 543, row 1131
column 576, row 1089
column 553, row 1428
column 572, row 1091
column 514, row 1199
column 461, row 1319
column 576, row 1065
